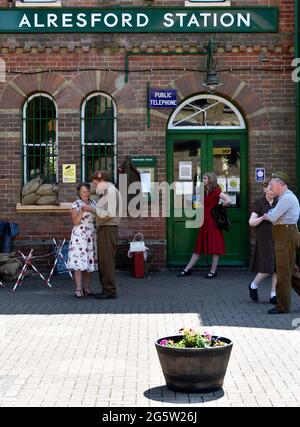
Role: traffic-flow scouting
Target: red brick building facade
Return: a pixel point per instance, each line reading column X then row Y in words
column 255, row 70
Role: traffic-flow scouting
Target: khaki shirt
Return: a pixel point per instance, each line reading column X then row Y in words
column 108, row 207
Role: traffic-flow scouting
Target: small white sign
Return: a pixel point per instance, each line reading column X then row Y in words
column 233, row 184
column 185, row 170
column 146, row 182
column 222, row 183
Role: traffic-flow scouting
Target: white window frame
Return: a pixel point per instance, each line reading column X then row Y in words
column 37, row 3
column 25, row 145
column 172, row 122
column 114, row 144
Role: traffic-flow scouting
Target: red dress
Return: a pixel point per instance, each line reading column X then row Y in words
column 210, row 238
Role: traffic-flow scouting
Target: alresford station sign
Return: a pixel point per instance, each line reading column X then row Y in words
column 139, row 20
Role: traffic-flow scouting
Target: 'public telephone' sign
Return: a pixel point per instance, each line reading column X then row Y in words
column 162, row 98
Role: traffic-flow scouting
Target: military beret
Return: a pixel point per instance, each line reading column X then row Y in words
column 281, row 175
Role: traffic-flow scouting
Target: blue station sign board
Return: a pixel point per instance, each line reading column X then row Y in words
column 162, row 98
column 139, row 20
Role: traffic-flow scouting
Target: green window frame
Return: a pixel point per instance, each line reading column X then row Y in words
column 98, row 135
column 40, row 138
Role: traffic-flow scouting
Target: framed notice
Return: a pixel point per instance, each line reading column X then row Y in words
column 69, row 173
column 146, row 165
column 147, row 177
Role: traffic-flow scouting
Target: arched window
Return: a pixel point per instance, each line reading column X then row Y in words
column 40, row 138
column 206, row 112
column 98, row 135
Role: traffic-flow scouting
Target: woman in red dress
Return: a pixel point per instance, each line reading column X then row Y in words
column 210, row 238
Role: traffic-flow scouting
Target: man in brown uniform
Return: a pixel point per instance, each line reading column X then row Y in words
column 284, row 217
column 107, row 219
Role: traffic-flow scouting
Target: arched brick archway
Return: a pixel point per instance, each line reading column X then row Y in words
column 68, row 93
column 234, row 89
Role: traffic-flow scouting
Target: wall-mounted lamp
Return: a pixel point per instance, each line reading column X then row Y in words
column 212, row 80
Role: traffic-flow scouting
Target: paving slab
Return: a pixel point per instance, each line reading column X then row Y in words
column 57, row 350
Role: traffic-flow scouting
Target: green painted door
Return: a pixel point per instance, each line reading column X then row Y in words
column 189, row 156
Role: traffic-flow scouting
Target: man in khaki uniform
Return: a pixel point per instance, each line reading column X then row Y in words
column 285, row 232
column 107, row 219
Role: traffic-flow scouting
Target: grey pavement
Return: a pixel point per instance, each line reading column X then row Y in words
column 57, row 350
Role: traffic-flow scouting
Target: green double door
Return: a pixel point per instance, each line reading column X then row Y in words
column 189, row 156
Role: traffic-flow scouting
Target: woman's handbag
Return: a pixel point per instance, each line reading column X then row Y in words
column 219, row 214
column 137, row 245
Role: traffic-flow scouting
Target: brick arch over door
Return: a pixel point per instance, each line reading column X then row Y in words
column 234, row 89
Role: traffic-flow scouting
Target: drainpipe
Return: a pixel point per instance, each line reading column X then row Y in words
column 296, row 42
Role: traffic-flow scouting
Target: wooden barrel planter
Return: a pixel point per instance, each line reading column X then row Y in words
column 193, row 370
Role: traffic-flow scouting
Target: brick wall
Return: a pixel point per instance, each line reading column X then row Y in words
column 266, row 98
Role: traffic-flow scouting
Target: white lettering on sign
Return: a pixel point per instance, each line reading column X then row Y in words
column 206, row 19
column 51, row 20
column 67, row 20
column 138, row 20
column 81, row 20
column 24, row 21
column 163, row 103
column 126, row 20
column 246, row 20
column 229, row 22
column 110, row 22
column 95, row 17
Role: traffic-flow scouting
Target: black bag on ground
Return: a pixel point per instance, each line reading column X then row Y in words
column 219, row 214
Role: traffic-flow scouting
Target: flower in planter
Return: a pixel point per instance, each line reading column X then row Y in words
column 193, row 339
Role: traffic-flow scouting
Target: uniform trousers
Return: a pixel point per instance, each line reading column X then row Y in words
column 286, row 241
column 107, row 238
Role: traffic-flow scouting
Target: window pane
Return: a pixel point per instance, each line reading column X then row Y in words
column 40, row 151
column 99, row 136
column 98, row 158
column 206, row 112
column 41, row 161
column 226, row 165
column 187, row 172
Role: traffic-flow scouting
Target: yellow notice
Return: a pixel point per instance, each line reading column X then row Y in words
column 69, row 174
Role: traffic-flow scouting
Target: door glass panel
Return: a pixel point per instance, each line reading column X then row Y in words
column 203, row 112
column 226, row 165
column 186, row 174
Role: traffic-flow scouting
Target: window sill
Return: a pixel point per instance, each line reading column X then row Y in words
column 62, row 208
column 37, row 4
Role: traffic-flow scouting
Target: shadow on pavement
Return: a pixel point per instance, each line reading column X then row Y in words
column 163, row 394
column 221, row 301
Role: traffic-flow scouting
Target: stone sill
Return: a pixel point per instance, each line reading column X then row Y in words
column 37, row 4
column 207, row 4
column 62, row 208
